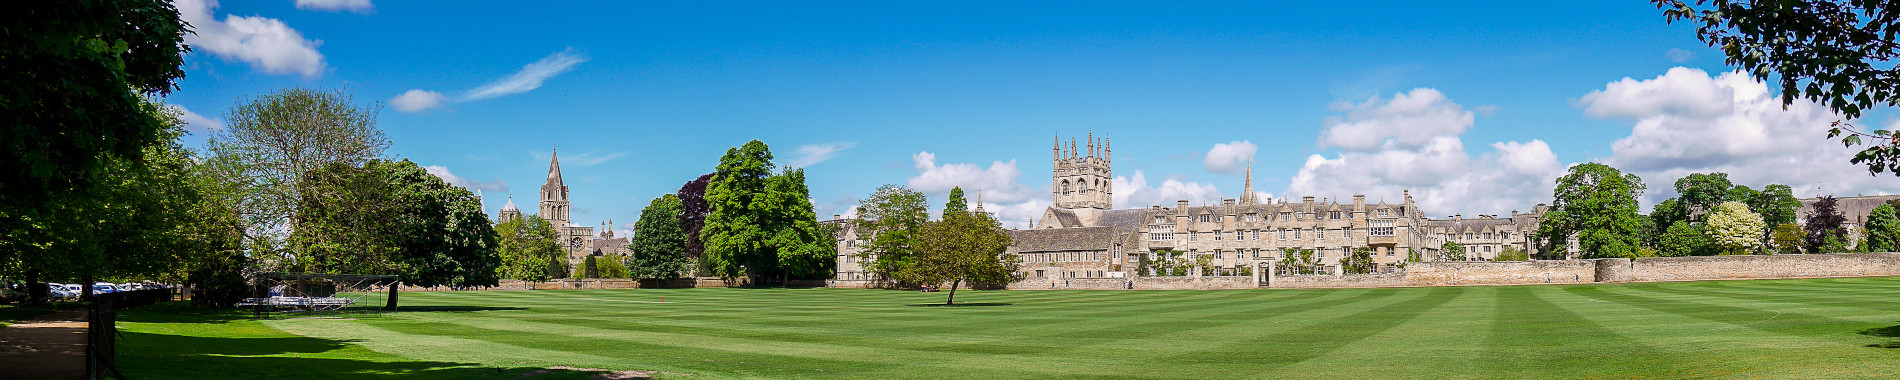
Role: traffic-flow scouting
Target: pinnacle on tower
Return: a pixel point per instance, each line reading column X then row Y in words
column 1106, row 151
column 1058, row 147
column 1091, row 143
column 1247, row 196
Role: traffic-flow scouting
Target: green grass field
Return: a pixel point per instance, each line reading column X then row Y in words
column 1820, row 328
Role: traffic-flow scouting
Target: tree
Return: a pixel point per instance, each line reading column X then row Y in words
column 1451, row 251
column 1883, row 230
column 692, row 215
column 963, row 247
column 1683, row 239
column 1776, row 204
column 526, row 245
column 1666, row 214
column 394, row 218
column 1788, row 238
column 612, row 266
column 1701, row 192
column 273, row 141
column 1301, row 260
column 590, row 268
column 762, row 225
column 1511, row 253
column 891, row 217
column 76, row 75
column 956, row 203
column 659, row 243
column 1596, row 204
column 1836, row 53
column 1735, row 230
column 1824, row 222
column 1359, row 261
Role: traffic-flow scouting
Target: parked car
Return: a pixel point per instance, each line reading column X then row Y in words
column 12, row 292
column 103, row 288
column 75, row 288
column 60, row 292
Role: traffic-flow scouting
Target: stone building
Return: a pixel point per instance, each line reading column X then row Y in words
column 850, row 244
column 1855, row 208
column 1485, row 236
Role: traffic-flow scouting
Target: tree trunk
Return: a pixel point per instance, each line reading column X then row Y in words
column 35, row 291
column 953, row 292
column 391, row 306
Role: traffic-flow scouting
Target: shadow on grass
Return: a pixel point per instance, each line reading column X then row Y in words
column 453, row 309
column 1885, row 332
column 968, row 304
column 163, row 356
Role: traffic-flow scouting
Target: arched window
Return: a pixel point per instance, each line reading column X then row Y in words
column 1065, row 187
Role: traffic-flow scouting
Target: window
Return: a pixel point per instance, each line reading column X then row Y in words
column 1401, row 211
column 1346, row 232
column 1194, row 236
column 1217, row 235
column 1296, row 233
column 1206, row 218
column 1467, row 236
column 1286, row 216
column 1389, row 252
column 1217, row 254
column 1253, row 217
column 1487, row 249
column 1487, row 236
column 1217, row 218
column 1283, row 234
column 1381, row 227
column 1240, row 235
column 1334, row 214
column 1381, row 212
column 1256, row 234
column 1118, row 251
column 1319, row 233
column 1161, row 220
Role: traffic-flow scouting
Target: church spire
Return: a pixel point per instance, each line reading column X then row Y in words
column 1247, row 196
column 554, row 168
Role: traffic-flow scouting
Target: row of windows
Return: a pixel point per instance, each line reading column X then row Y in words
column 1071, row 256
column 1268, row 253
column 1487, row 236
column 1287, row 216
column 1318, row 233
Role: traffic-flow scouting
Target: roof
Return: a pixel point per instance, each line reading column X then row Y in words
column 1062, row 239
column 554, row 169
column 1854, row 208
column 510, row 206
column 1066, row 218
column 1123, row 219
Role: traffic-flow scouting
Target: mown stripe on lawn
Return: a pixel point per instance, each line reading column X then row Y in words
column 1858, row 306
column 1531, row 334
column 1298, row 344
column 1770, row 321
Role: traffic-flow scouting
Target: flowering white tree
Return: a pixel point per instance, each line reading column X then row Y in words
column 1734, row 229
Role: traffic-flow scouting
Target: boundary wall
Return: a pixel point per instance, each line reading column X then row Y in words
column 1646, row 269
column 615, row 283
column 1138, row 283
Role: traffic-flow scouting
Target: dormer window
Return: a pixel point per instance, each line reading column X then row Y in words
column 1381, row 212
column 1334, row 214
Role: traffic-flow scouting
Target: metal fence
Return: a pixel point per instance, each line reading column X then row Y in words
column 102, row 329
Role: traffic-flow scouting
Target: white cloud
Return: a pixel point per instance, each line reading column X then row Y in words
column 265, row 43
column 1413, row 142
column 1687, row 121
column 358, row 6
column 471, row 184
column 813, row 154
column 998, row 182
column 1407, row 121
column 194, row 122
column 1680, row 55
column 591, row 158
column 530, row 77
column 1133, row 192
column 1229, row 158
column 417, row 100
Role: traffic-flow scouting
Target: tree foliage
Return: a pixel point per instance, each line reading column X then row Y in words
column 1883, row 230
column 1824, row 222
column 394, row 218
column 1596, row 204
column 659, row 242
column 1734, row 230
column 762, row 225
column 1776, row 204
column 1787, row 238
column 526, row 245
column 891, row 218
column 1451, row 251
column 271, row 142
column 1511, row 253
column 612, row 266
column 956, row 203
column 1837, row 53
column 75, row 74
column 1683, row 239
column 1359, row 261
column 1700, row 193
column 963, row 247
column 693, row 211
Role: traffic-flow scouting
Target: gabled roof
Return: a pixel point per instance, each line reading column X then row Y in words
column 1062, row 239
column 554, row 169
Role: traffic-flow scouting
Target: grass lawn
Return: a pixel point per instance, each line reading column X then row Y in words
column 1820, row 328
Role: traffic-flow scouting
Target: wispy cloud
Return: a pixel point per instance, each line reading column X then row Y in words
column 530, row 77
column 471, row 184
column 813, row 154
column 194, row 122
column 417, row 101
column 358, row 6
column 591, row 158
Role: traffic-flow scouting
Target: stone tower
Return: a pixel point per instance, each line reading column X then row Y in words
column 554, row 196
column 509, row 211
column 1083, row 180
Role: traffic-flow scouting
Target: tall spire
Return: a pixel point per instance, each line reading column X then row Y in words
column 1247, row 196
column 1091, row 143
column 1106, row 151
column 1072, row 149
column 554, row 168
column 1058, row 148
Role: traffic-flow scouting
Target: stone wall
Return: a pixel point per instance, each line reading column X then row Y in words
column 1500, row 273
column 1764, row 266
column 1138, row 283
column 1306, row 281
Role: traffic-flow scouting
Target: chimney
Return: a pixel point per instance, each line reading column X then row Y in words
column 836, row 216
column 1227, row 202
column 1306, row 199
column 1513, row 213
column 1180, row 207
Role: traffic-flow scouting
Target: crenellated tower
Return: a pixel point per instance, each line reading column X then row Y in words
column 1082, row 179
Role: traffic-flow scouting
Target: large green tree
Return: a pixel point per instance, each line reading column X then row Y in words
column 394, row 218
column 1699, row 193
column 1683, row 239
column 1596, row 204
column 693, row 211
column 527, row 245
column 1776, row 204
column 1883, row 230
column 761, row 224
column 1734, row 230
column 659, row 243
column 75, row 74
column 272, row 141
column 956, row 203
column 890, row 219
column 963, row 247
column 1837, row 53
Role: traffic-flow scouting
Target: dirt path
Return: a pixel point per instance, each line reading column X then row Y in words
column 51, row 346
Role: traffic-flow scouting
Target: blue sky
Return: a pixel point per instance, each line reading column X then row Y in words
column 1472, row 107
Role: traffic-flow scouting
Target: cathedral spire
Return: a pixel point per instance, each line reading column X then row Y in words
column 554, row 168
column 1247, row 196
